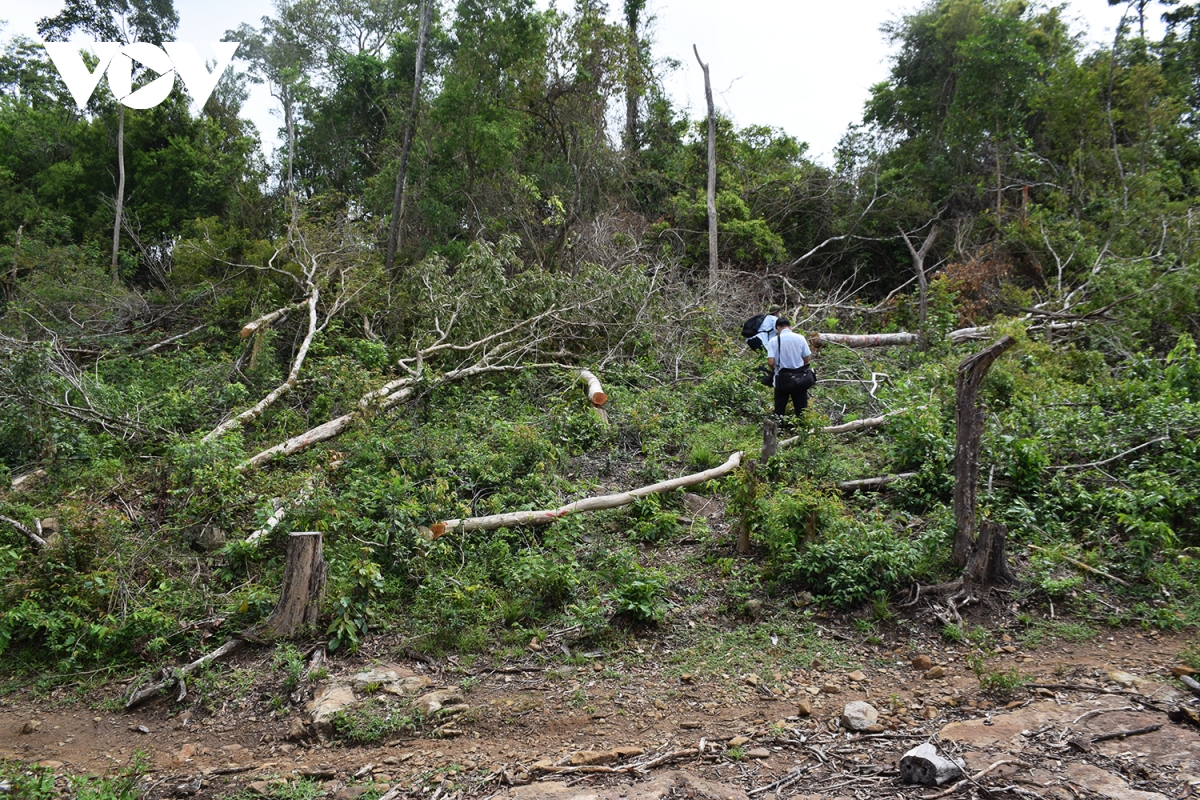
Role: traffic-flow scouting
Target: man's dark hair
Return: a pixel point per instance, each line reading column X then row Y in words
column 782, row 322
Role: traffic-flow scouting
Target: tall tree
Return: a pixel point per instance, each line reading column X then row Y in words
column 395, row 232
column 125, row 21
column 633, row 72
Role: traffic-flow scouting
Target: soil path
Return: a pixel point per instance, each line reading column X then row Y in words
column 522, row 725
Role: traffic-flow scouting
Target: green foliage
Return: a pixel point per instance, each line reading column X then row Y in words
column 995, row 682
column 375, row 720
column 639, row 596
column 354, row 607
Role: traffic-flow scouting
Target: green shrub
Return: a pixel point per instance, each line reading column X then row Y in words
column 639, row 597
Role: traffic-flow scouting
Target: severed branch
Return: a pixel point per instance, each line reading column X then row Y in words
column 1117, row 457
column 1079, row 564
column 34, row 537
column 870, row 340
column 293, row 375
column 266, row 319
column 595, row 393
column 973, row 778
column 545, row 517
column 155, row 347
column 178, row 677
column 873, row 483
column 855, row 425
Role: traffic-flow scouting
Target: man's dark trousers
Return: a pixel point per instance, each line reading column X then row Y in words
column 788, row 385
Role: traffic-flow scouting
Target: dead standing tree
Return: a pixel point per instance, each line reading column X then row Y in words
column 712, row 177
column 918, row 256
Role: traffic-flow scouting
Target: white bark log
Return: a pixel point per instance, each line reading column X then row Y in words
column 873, row 483
column 279, row 391
column 152, row 348
column 595, row 391
column 35, row 539
column 518, row 518
column 856, row 425
column 266, row 319
column 868, row 340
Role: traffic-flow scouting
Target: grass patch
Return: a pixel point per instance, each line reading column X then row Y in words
column 1049, row 631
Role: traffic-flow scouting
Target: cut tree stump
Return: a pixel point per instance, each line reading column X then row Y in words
column 303, row 586
column 969, row 416
column 770, row 439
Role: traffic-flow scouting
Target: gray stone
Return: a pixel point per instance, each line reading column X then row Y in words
column 923, row 766
column 858, row 716
column 434, row 702
column 391, row 679
column 330, row 700
column 211, row 538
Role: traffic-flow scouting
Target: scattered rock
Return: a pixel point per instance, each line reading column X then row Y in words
column 186, row 752
column 876, row 728
column 689, row 725
column 587, row 758
column 139, row 729
column 857, row 676
column 391, row 679
column 1106, row 784
column 660, row 705
column 804, row 709
column 922, row 663
column 934, row 673
column 1122, row 678
column 297, row 731
column 259, row 788
column 758, row 752
column 923, row 766
column 1180, row 670
column 597, row 667
column 858, row 716
column 687, row 677
column 329, row 701
column 51, row 764
column 928, row 712
column 738, row 741
column 30, row 726
column 831, row 688
column 351, row 792
column 535, row 645
column 752, row 679
column 431, row 703
column 1008, row 648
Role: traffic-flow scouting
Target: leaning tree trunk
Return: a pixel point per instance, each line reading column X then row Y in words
column 712, row 177
column 303, row 586
column 969, row 415
column 120, row 199
column 395, row 232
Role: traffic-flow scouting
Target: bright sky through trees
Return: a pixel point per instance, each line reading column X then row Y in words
column 802, row 65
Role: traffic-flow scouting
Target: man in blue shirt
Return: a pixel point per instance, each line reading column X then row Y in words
column 788, row 354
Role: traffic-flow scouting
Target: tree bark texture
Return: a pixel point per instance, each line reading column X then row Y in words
column 119, row 204
column 633, row 75
column 751, row 490
column 395, row 231
column 861, row 341
column 969, row 415
column 303, row 586
column 712, row 176
column 770, row 439
column 988, row 563
column 518, row 518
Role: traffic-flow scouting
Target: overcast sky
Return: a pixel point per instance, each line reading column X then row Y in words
column 803, row 65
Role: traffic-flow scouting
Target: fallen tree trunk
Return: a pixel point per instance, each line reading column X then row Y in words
column 867, row 340
column 518, row 518
column 34, row 537
column 873, row 483
column 595, row 391
column 154, row 347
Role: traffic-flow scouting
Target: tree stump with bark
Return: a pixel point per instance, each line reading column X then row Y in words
column 303, row 586
column 969, row 416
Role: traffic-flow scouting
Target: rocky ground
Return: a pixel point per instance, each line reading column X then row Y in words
column 619, row 726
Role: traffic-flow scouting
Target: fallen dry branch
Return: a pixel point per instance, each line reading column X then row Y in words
column 973, row 778
column 855, row 425
column 873, row 483
column 545, row 517
column 1104, row 737
column 1079, row 564
column 171, row 340
column 638, row 767
column 173, row 677
column 1117, row 457
column 34, row 537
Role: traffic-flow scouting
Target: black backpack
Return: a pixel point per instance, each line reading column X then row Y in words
column 750, row 330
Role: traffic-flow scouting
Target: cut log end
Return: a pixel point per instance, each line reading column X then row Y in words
column 599, row 398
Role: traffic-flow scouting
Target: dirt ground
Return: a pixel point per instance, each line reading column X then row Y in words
column 524, row 725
